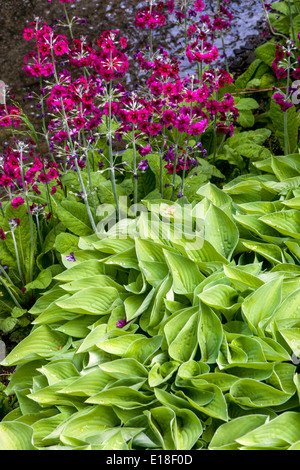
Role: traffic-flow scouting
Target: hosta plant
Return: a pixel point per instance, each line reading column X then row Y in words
column 174, row 330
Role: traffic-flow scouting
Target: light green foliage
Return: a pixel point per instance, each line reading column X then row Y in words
column 208, row 355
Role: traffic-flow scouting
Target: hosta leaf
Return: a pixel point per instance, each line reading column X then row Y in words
column 222, row 298
column 259, row 307
column 162, row 423
column 271, row 252
column 44, row 426
column 126, row 259
column 220, row 231
column 254, row 394
column 125, row 367
column 256, row 225
column 87, row 268
column 144, row 348
column 88, row 422
column 226, row 436
column 242, row 279
column 181, row 335
column 15, row 436
column 135, row 305
column 155, row 315
column 92, row 300
column 161, row 373
column 282, row 169
column 289, row 308
column 282, row 377
column 260, row 207
column 100, row 280
column 215, row 195
column 88, row 384
column 210, row 334
column 286, row 222
column 118, row 345
column 282, row 431
column 186, row 275
column 113, row 245
column 51, row 395
column 74, row 216
column 216, row 406
column 41, row 342
column 293, row 203
column 123, row 397
column 59, row 371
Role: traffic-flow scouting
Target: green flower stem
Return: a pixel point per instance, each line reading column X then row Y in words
column 84, row 195
column 39, row 230
column 291, row 21
column 151, row 34
column 68, row 20
column 225, row 56
column 110, row 155
column 6, row 275
column 174, row 173
column 31, row 262
column 277, row 33
column 135, row 190
column 185, row 26
column 221, row 144
column 286, row 136
column 215, row 141
column 17, row 258
column 62, row 104
column 161, row 187
column 89, row 173
column 187, row 143
column 14, row 299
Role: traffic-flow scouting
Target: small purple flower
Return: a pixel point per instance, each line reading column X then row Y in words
column 101, row 165
column 71, row 257
column 143, row 165
column 122, row 322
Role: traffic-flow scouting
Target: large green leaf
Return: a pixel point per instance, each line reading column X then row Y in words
column 92, row 301
column 74, row 216
column 254, row 307
column 281, row 432
column 227, row 435
column 42, row 342
column 220, row 231
column 254, row 394
column 16, row 436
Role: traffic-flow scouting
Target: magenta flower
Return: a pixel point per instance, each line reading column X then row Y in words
column 18, row 201
column 28, row 34
column 122, row 322
column 145, row 150
column 2, row 234
column 279, row 98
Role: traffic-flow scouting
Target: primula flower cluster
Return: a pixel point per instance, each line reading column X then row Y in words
column 176, row 105
column 150, row 16
column 284, row 59
column 9, row 116
column 11, row 174
column 280, row 99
